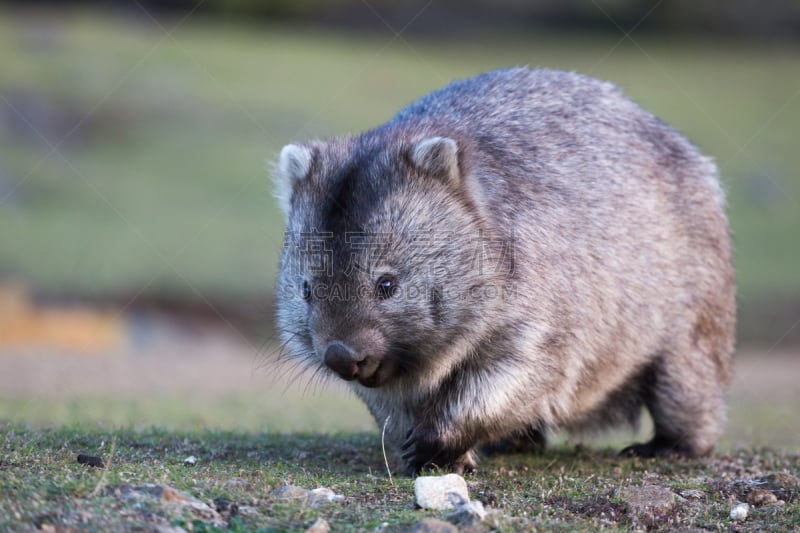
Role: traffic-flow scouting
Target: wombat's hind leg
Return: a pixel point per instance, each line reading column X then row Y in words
column 529, row 440
column 655, row 447
column 685, row 397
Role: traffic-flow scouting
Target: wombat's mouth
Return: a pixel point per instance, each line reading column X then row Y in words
column 369, row 370
column 382, row 373
column 372, row 381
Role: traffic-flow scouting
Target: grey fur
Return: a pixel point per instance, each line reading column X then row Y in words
column 568, row 263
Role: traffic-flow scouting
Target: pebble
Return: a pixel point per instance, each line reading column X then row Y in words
column 784, row 487
column 761, row 497
column 312, row 498
column 783, row 480
column 324, row 495
column 693, row 494
column 647, row 497
column 320, row 526
column 466, row 512
column 646, row 503
column 290, row 492
column 433, row 492
column 167, row 495
column 739, row 511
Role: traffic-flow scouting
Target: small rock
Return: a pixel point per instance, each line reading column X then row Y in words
column 290, row 492
column 783, row 480
column 467, row 512
column 200, row 509
column 320, row 526
column 91, row 460
column 248, row 510
column 312, row 498
column 432, row 492
column 784, row 486
column 166, row 495
column 647, row 503
column 170, row 494
column 433, row 525
column 739, row 511
column 323, row 495
column 190, row 461
column 761, row 497
column 647, row 497
column 692, row 494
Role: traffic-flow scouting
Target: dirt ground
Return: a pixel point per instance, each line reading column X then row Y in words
column 159, row 358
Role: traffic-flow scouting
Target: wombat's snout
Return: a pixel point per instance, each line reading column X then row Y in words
column 342, row 360
column 348, row 363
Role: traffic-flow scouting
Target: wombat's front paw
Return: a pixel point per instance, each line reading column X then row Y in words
column 425, row 448
column 466, row 464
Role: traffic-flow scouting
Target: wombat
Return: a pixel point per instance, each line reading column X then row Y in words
column 519, row 252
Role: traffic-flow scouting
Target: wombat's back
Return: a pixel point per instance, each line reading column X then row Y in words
column 621, row 238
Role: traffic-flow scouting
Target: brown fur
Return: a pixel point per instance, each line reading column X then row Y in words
column 532, row 251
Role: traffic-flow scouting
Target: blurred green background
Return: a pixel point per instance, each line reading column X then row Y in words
column 135, row 136
column 133, row 140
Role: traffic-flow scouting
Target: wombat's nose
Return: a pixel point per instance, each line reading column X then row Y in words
column 342, row 360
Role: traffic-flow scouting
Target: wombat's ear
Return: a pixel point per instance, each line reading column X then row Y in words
column 294, row 164
column 437, row 157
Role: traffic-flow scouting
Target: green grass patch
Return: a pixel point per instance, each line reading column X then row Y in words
column 43, row 485
column 160, row 181
column 249, row 411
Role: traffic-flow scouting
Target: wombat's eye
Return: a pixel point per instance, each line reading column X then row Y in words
column 386, row 287
column 306, row 291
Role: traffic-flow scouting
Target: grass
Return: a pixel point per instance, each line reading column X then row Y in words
column 160, row 183
column 251, row 434
column 577, row 490
column 247, row 410
column 215, row 382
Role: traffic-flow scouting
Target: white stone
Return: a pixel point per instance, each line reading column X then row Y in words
column 314, row 498
column 739, row 511
column 320, row 526
column 466, row 511
column 324, row 495
column 433, row 492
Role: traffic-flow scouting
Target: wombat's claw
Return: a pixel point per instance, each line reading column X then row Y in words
column 654, row 448
column 465, row 464
column 424, row 450
column 637, row 450
column 409, row 455
column 463, row 469
column 415, row 466
column 414, row 457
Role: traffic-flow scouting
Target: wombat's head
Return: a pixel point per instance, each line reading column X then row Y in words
column 384, row 266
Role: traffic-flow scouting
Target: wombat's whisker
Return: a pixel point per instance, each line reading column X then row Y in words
column 291, row 375
column 319, row 376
